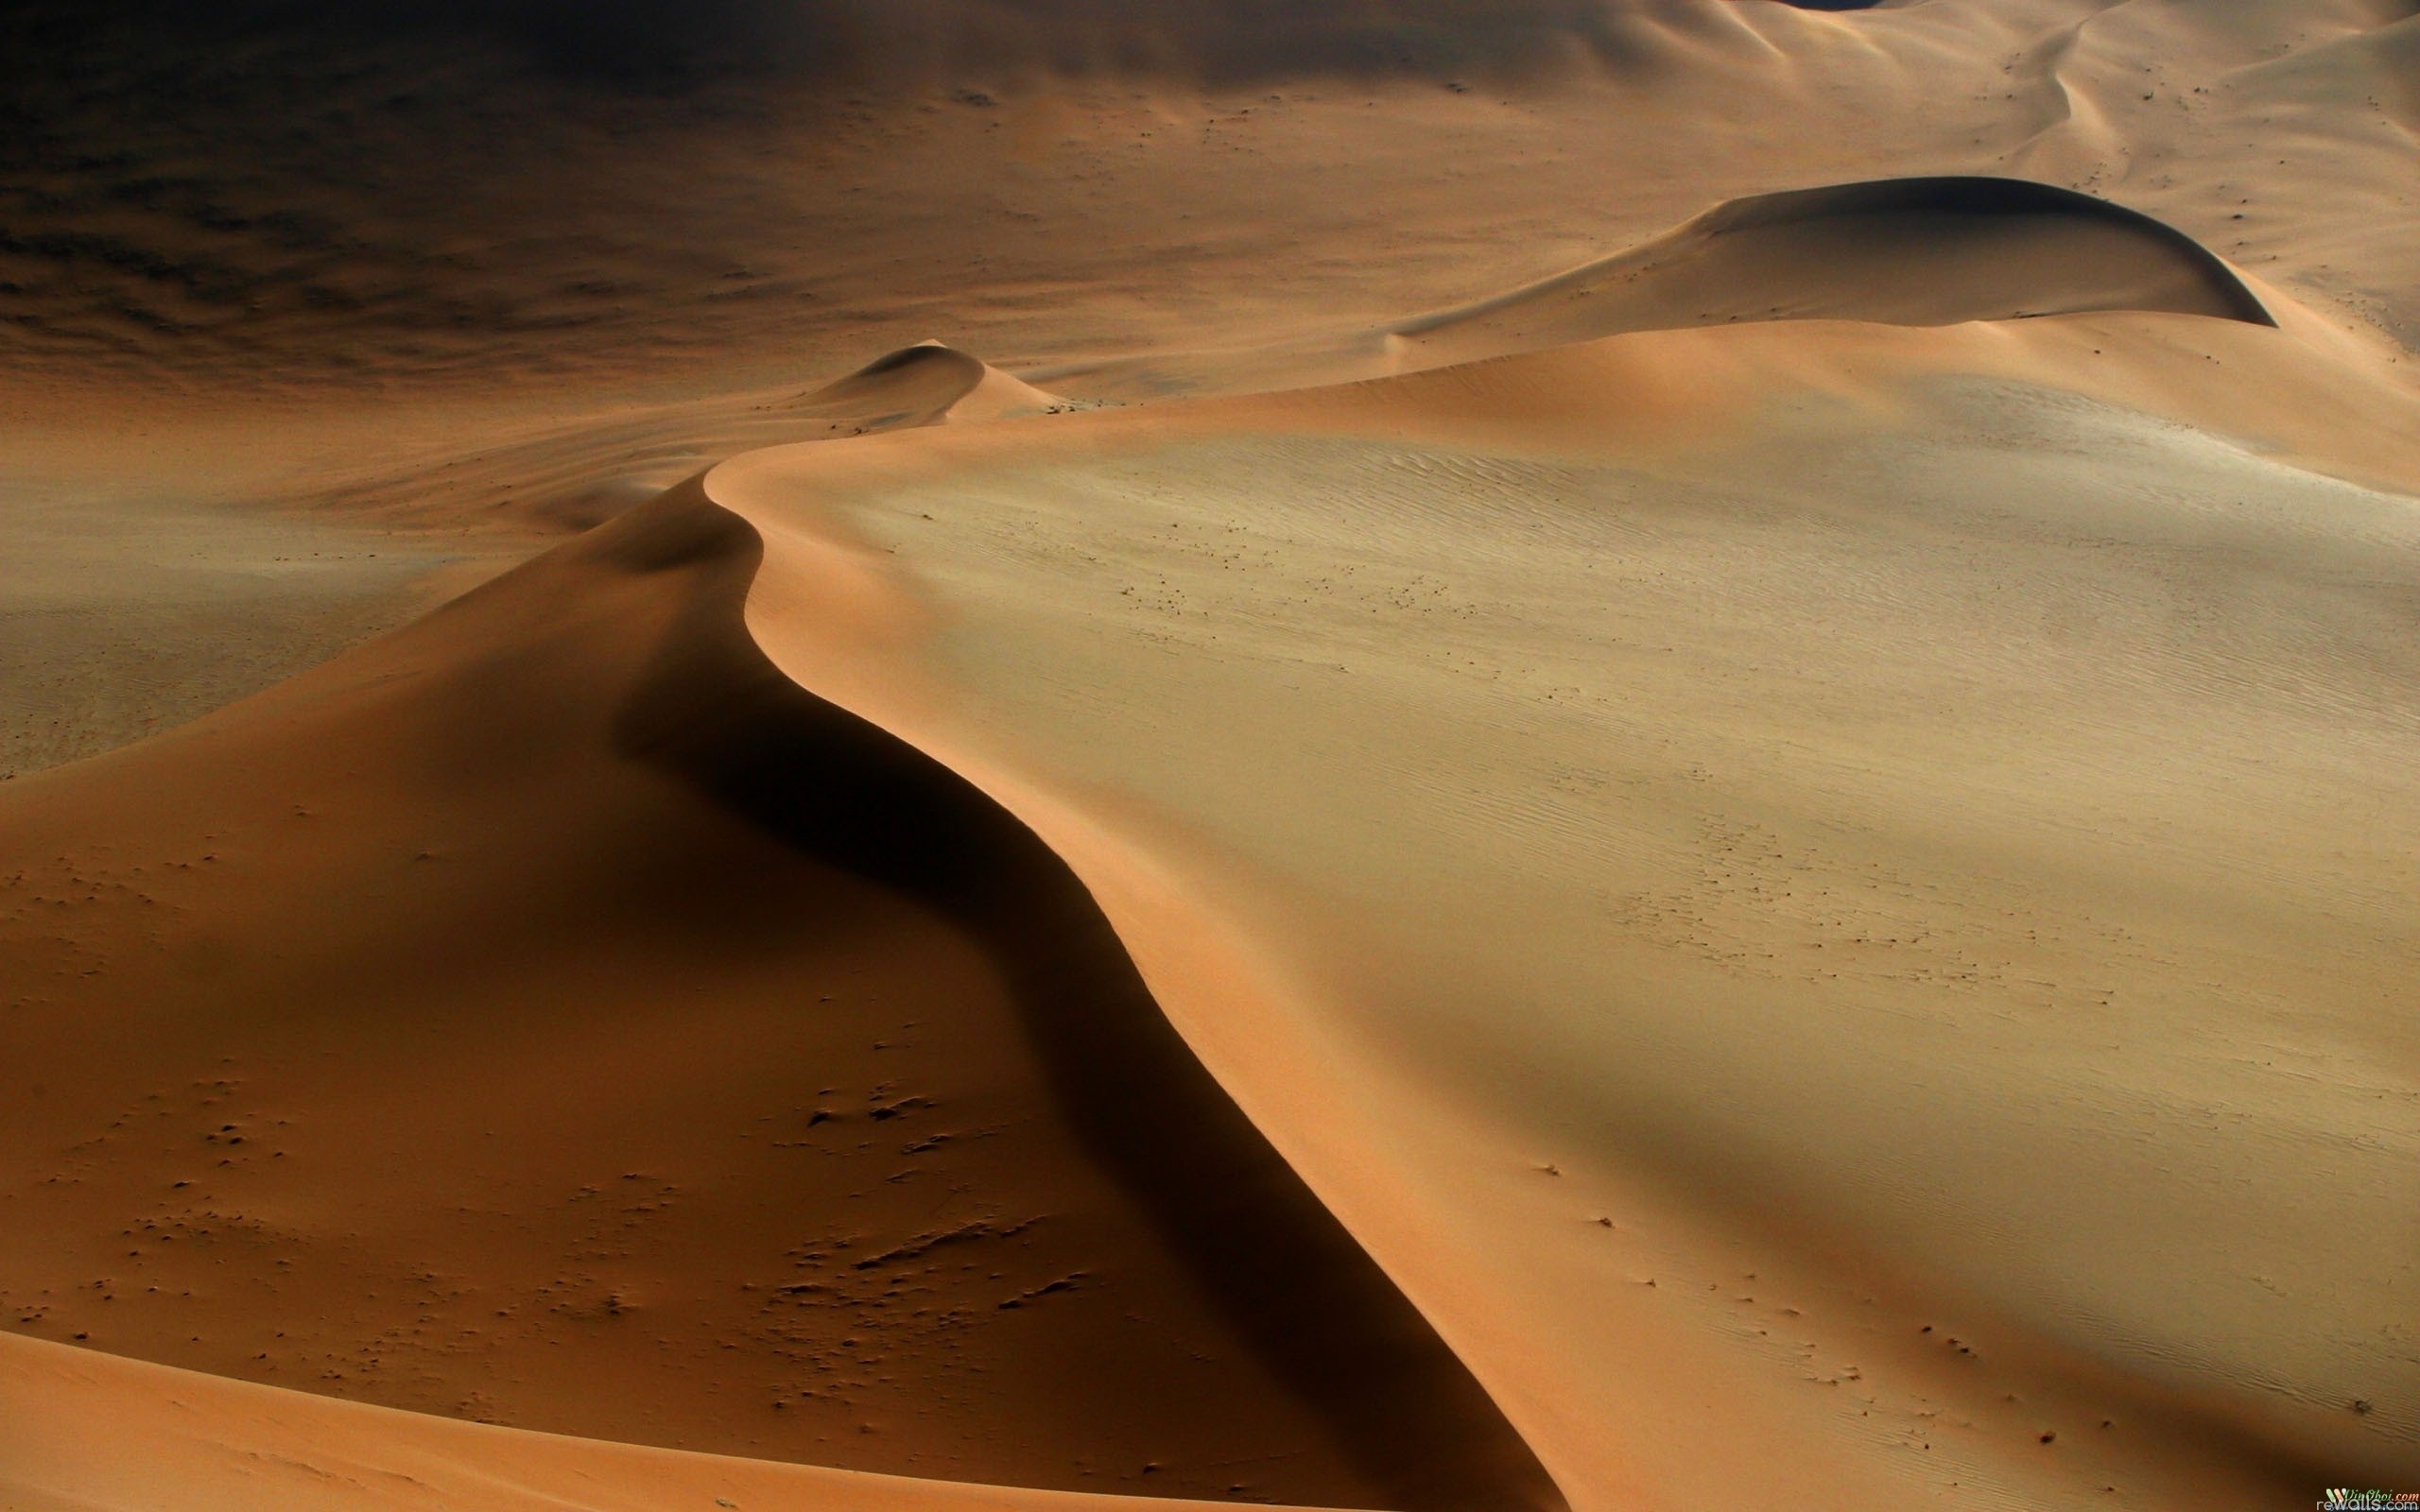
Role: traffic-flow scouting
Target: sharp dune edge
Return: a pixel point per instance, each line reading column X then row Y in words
column 976, row 1209
column 1779, row 865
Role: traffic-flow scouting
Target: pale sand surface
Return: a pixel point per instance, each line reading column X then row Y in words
column 163, row 566
column 131, row 606
column 1925, row 837
column 1665, row 854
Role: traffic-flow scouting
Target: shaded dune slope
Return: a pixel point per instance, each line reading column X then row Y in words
column 1905, row 252
column 1282, row 1272
column 550, row 1014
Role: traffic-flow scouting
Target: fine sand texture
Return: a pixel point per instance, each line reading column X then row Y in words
column 1811, row 887
column 124, row 615
column 1532, row 756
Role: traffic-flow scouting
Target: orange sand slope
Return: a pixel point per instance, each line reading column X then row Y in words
column 549, row 1014
column 88, row 1433
column 380, row 268
column 548, row 478
column 138, row 602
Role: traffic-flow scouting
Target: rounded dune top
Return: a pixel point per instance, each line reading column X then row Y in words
column 1901, row 252
column 923, row 385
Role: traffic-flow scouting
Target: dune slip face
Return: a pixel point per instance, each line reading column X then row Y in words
column 552, row 1015
column 1905, row 252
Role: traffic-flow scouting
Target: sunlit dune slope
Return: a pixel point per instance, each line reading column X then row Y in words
column 1832, row 898
column 1779, row 865
column 550, row 1014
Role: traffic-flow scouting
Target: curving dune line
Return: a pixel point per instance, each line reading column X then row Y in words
column 552, row 995
column 1284, row 1272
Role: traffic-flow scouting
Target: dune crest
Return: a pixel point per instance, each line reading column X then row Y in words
column 550, row 1014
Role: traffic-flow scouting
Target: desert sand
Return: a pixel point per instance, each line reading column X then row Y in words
column 1588, row 757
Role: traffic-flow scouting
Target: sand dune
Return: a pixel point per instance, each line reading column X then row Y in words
column 1910, row 252
column 549, row 1015
column 922, row 385
column 556, row 478
column 1923, row 251
column 144, row 598
column 736, row 993
column 1382, row 678
column 1777, row 862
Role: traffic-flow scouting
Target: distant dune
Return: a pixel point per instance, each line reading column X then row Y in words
column 1908, row 251
column 922, row 385
column 573, row 479
column 396, row 204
